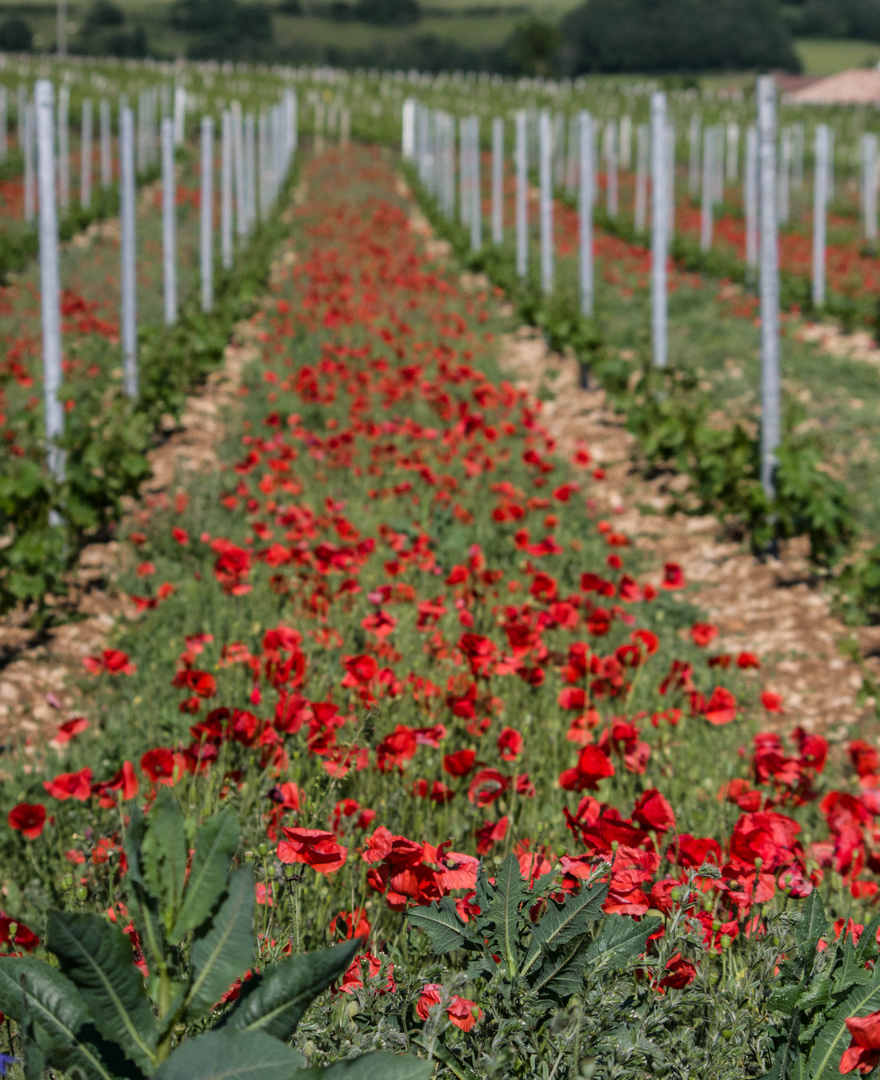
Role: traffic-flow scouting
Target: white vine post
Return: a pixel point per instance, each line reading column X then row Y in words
column 207, row 214
column 694, row 163
column 706, row 216
column 106, row 145
column 27, row 123
column 585, row 212
column 498, row 181
column 179, row 115
column 659, row 244
column 141, row 138
column 571, row 163
column 751, row 200
column 128, row 246
column 783, row 183
column 820, row 212
column 732, row 152
column 169, row 221
column 871, row 177
column 64, row 148
column 545, row 176
column 464, row 202
column 50, row 280
column 4, row 124
column 640, row 216
column 226, row 247
column 263, row 159
column 85, row 170
column 522, row 195
column 476, row 193
column 830, row 166
column 449, row 164
column 238, row 150
column 770, row 380
column 625, row 157
column 670, row 188
column 409, row 128
column 611, row 169
column 250, row 144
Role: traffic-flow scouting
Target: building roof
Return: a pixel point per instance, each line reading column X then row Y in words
column 858, row 86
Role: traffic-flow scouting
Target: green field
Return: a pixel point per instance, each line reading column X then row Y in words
column 822, row 57
column 467, row 25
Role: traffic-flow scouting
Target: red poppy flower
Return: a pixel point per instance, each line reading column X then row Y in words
column 361, row 973
column 702, row 634
column 592, row 767
column 76, row 785
column 314, row 847
column 124, row 783
column 28, row 819
column 863, row 1053
column 159, row 765
column 486, row 786
column 360, row 670
column 112, row 661
column 680, row 973
column 653, row 811
column 461, row 1012
column 510, row 744
column 772, row 702
column 489, row 834
column 721, row 707
column 460, row 763
column 69, row 729
column 673, row 577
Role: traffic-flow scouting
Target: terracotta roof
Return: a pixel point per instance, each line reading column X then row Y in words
column 788, row 84
column 859, row 86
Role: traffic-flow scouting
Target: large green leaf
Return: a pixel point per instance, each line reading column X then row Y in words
column 834, row 1038
column 372, row 1067
column 500, row 911
column 561, row 975
column 231, row 1055
column 620, row 940
column 564, row 922
column 42, row 997
column 143, row 906
column 224, row 949
column 97, row 957
column 275, row 1001
column 442, row 925
column 812, row 923
column 164, row 854
column 216, row 844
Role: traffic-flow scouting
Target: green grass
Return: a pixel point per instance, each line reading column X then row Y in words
column 826, row 57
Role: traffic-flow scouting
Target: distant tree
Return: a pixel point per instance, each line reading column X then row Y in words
column 103, row 13
column 677, row 35
column 290, row 7
column 839, row 18
column 341, row 11
column 388, row 12
column 16, row 34
column 534, row 47
column 223, row 27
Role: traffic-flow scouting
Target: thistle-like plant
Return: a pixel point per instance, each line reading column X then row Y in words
column 97, row 1017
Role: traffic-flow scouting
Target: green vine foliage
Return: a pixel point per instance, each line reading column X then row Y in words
column 108, row 437
column 93, row 1015
column 817, row 990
